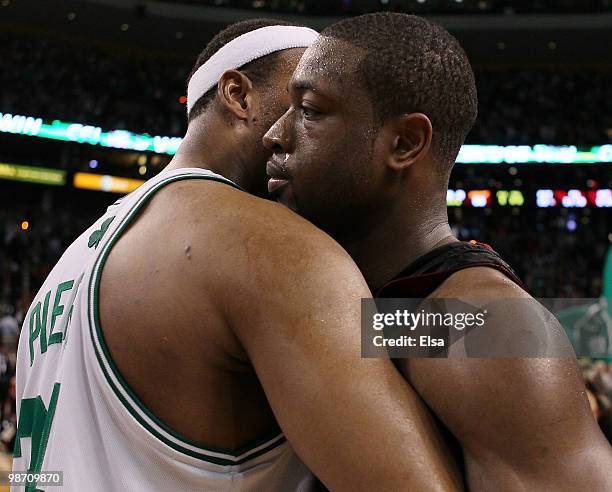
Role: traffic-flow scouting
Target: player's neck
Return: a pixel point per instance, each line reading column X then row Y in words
column 397, row 240
column 207, row 148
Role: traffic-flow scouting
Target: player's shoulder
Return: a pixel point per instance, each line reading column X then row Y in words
column 480, row 282
column 220, row 203
column 517, row 325
column 248, row 231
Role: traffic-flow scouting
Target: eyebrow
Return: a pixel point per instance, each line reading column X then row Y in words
column 301, row 85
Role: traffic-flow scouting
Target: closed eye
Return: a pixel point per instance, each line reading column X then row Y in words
column 308, row 112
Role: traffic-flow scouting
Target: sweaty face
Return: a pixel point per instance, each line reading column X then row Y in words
column 323, row 145
column 273, row 101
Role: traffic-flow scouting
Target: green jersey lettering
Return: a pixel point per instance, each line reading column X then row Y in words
column 40, row 312
column 38, row 326
column 58, row 309
column 35, row 422
column 73, row 295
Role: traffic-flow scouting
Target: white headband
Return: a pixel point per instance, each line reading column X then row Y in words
column 245, row 49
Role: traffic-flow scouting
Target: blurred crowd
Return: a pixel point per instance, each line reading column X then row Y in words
column 81, row 84
column 61, row 80
column 552, row 261
column 332, row 7
column 557, row 107
column 28, row 251
column 10, row 325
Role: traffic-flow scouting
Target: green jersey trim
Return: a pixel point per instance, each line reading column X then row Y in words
column 122, row 390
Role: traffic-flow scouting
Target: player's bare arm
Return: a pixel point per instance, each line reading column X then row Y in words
column 255, row 286
column 295, row 307
column 524, row 423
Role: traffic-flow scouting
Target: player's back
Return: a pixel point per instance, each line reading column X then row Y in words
column 118, row 385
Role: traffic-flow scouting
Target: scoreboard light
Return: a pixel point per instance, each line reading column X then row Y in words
column 479, row 198
column 455, row 198
column 513, row 198
column 545, row 198
column 571, row 199
column 574, row 198
column 603, row 198
column 483, row 198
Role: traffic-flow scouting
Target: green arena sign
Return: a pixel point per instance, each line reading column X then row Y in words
column 87, row 134
column 125, row 140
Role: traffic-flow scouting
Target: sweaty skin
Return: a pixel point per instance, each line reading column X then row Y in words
column 523, row 424
column 229, row 316
column 263, row 306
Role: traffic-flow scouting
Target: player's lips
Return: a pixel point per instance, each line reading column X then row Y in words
column 274, row 185
column 275, row 168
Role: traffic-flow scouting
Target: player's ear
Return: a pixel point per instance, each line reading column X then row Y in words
column 235, row 93
column 411, row 140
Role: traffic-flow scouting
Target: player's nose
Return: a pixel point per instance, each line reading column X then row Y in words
column 277, row 137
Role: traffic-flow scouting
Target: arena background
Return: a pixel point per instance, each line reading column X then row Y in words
column 92, row 102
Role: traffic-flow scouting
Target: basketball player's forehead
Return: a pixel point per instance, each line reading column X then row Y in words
column 329, row 65
column 288, row 59
column 286, row 63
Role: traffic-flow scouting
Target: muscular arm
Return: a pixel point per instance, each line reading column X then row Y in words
column 524, row 423
column 293, row 300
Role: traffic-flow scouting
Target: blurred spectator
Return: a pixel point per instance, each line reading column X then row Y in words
column 9, row 415
column 9, row 326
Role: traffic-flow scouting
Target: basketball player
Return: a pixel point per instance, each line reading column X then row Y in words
column 380, row 106
column 175, row 333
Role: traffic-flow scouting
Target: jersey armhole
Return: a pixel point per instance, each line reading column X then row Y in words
column 125, row 395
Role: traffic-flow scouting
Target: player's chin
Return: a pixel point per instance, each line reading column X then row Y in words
column 285, row 197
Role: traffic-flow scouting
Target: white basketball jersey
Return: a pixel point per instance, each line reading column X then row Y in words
column 77, row 415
